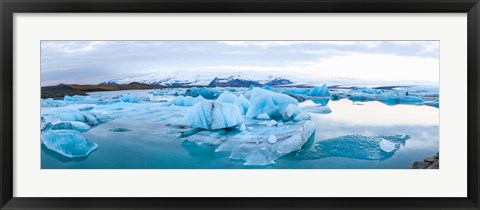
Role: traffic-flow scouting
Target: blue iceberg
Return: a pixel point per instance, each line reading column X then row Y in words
column 320, row 91
column 187, row 100
column 213, row 115
column 69, row 143
column 240, row 101
column 264, row 101
column 208, row 93
column 71, row 125
column 357, row 147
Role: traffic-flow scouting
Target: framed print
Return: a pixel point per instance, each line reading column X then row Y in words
column 245, row 105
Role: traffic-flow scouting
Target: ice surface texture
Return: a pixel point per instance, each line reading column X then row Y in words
column 187, row 100
column 261, row 145
column 320, row 91
column 272, row 104
column 213, row 115
column 208, row 93
column 240, row 101
column 69, row 143
column 389, row 97
column 357, row 146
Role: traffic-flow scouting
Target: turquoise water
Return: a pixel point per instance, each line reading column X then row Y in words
column 150, row 145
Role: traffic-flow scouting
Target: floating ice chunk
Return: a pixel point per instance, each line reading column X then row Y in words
column 370, row 91
column 253, row 146
column 400, row 99
column 187, row 100
column 272, row 139
column 48, row 120
column 71, row 114
column 227, row 98
column 318, row 109
column 387, row 146
column 208, row 93
column 265, row 101
column 69, row 143
column 242, row 127
column 76, row 98
column 240, row 101
column 263, row 116
column 389, row 97
column 290, row 111
column 129, row 98
column 299, row 91
column 50, row 102
column 267, row 87
column 293, row 112
column 357, row 147
column 268, row 123
column 214, row 115
column 321, row 91
column 71, row 125
column 301, row 116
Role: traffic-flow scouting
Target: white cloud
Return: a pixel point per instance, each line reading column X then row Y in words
column 368, row 44
column 370, row 67
column 79, row 47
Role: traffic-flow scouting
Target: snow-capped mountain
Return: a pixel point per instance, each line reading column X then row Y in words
column 203, row 80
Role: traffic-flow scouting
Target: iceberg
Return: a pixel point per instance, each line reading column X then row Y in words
column 272, row 139
column 263, row 116
column 71, row 125
column 187, row 100
column 213, row 115
column 71, row 114
column 265, row 101
column 318, row 109
column 389, row 97
column 320, row 91
column 254, row 146
column 208, row 93
column 400, row 99
column 296, row 91
column 241, row 102
column 267, row 87
column 129, row 98
column 357, row 147
column 69, row 143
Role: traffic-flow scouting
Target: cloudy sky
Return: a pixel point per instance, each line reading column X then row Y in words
column 92, row 62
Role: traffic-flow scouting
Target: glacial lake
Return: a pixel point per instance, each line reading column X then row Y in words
column 147, row 146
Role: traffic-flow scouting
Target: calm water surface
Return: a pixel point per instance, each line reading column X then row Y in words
column 148, row 146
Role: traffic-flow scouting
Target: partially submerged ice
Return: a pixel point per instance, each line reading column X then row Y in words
column 389, row 97
column 187, row 100
column 317, row 109
column 357, row 147
column 71, row 125
column 240, row 101
column 260, row 146
column 54, row 115
column 320, row 91
column 208, row 93
column 69, row 143
column 213, row 115
column 264, row 102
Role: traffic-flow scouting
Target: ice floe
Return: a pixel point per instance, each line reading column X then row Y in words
column 69, row 143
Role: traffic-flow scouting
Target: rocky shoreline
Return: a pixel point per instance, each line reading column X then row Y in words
column 428, row 163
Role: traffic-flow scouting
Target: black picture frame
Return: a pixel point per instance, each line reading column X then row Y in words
column 9, row 7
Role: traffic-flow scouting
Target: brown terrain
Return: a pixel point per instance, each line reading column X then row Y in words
column 61, row 90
